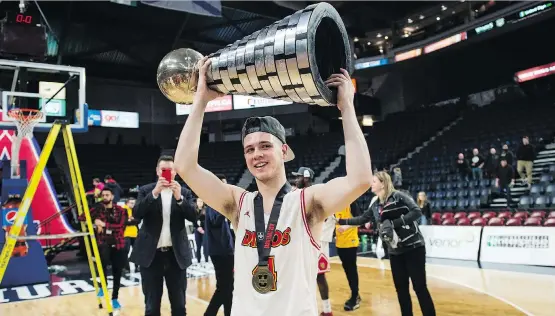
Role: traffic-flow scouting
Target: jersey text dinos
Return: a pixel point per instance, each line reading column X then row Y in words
column 293, row 262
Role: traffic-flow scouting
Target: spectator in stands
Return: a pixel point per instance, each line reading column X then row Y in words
column 219, row 245
column 397, row 178
column 200, row 237
column 424, row 204
column 505, row 180
column 477, row 164
column 463, row 167
column 508, row 155
column 525, row 156
column 399, row 216
column 492, row 163
column 96, row 191
column 110, row 220
column 110, row 183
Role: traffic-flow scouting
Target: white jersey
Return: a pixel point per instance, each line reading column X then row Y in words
column 293, row 259
column 327, row 229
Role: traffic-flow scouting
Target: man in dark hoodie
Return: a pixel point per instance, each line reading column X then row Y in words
column 507, row 155
column 492, row 162
column 525, row 156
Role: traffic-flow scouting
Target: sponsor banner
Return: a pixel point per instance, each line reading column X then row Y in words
column 452, row 242
column 119, row 119
column 535, row 73
column 95, row 118
column 372, row 63
column 498, row 23
column 408, row 54
column 445, row 42
column 224, row 103
column 519, row 245
column 248, row 102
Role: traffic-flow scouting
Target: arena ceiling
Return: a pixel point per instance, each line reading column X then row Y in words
column 125, row 42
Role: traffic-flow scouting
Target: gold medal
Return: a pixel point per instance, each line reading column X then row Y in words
column 262, row 279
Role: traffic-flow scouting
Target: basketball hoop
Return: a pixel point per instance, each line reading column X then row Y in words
column 25, row 119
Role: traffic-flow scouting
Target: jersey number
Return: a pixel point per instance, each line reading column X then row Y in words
column 272, row 267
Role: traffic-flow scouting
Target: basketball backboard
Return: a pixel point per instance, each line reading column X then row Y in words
column 56, row 90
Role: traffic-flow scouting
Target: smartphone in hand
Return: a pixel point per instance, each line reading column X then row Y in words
column 167, row 174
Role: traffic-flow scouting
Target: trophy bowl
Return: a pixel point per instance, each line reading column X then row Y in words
column 177, row 75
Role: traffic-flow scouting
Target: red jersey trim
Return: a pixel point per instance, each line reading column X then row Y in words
column 240, row 206
column 303, row 212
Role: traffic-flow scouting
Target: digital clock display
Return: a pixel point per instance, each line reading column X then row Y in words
column 25, row 19
column 22, row 18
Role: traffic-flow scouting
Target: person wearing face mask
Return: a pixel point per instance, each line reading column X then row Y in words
column 110, row 220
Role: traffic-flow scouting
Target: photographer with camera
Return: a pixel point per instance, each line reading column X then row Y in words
column 398, row 228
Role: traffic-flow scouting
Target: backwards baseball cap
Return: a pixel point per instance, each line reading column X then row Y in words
column 266, row 124
column 305, row 172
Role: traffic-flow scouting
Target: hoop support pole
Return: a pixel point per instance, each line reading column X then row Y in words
column 27, row 199
column 83, row 207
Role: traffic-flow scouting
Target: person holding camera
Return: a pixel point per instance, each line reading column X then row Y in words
column 398, row 228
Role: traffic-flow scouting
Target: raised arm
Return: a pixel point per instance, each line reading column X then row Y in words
column 326, row 199
column 222, row 197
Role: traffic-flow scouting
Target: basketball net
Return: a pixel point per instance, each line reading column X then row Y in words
column 25, row 120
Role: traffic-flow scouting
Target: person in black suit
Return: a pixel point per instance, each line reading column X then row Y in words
column 162, row 246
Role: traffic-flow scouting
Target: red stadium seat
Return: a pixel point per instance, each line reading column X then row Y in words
column 522, row 215
column 479, row 222
column 488, row 215
column 533, row 221
column 540, row 214
column 460, row 215
column 473, row 215
column 551, row 214
column 447, row 215
column 496, row 221
column 436, row 218
column 463, row 222
column 504, row 214
column 550, row 222
column 514, row 222
column 449, row 222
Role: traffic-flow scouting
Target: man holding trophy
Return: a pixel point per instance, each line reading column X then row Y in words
column 303, row 58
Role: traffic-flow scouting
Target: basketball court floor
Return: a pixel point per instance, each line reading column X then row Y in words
column 458, row 288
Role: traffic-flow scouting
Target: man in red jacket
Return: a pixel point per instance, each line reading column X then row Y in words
column 110, row 220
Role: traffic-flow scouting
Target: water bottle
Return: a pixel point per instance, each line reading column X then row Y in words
column 364, row 243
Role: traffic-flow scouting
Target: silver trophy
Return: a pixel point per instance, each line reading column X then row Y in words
column 287, row 60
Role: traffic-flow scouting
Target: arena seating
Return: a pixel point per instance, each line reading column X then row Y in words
column 399, row 134
column 129, row 165
column 433, row 169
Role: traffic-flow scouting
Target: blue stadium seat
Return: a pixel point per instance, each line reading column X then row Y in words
column 541, row 202
column 546, row 178
column 525, row 202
